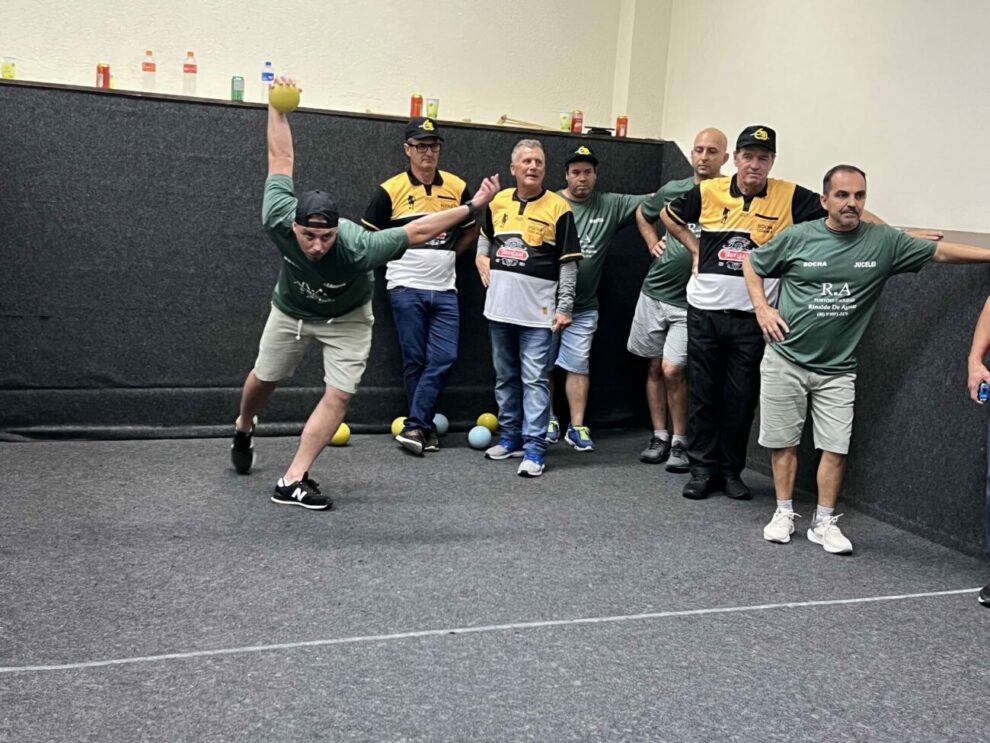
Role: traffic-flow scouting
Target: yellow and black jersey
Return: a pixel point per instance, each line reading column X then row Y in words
column 530, row 238
column 400, row 200
column 731, row 225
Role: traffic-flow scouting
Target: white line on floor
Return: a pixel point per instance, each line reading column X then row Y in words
column 476, row 630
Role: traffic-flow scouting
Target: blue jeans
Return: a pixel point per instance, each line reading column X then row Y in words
column 427, row 323
column 522, row 385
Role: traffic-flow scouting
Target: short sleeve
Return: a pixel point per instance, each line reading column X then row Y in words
column 278, row 206
column 686, row 208
column 566, row 236
column 384, row 246
column 911, row 254
column 624, row 207
column 378, row 215
column 770, row 259
column 488, row 228
column 806, row 206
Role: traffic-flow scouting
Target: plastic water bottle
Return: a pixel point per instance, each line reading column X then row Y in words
column 189, row 70
column 267, row 78
column 148, row 71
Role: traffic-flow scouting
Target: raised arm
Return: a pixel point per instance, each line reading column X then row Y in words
column 280, row 154
column 426, row 228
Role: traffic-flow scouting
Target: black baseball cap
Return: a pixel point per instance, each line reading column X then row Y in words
column 317, row 204
column 582, row 154
column 757, row 136
column 422, row 127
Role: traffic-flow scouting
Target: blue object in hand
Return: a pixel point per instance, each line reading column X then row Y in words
column 983, row 392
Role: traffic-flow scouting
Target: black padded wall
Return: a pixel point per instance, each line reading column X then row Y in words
column 137, row 276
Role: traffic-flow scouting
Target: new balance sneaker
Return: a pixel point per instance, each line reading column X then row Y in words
column 678, row 461
column 984, row 597
column 432, row 441
column 580, row 438
column 242, row 449
column 531, row 466
column 412, row 441
column 553, row 430
column 656, row 452
column 305, row 493
column 504, row 449
column 829, row 536
column 781, row 526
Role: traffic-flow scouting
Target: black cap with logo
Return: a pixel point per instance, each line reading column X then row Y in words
column 757, row 136
column 317, row 204
column 582, row 154
column 422, row 127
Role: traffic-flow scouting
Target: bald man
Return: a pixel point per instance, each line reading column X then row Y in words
column 659, row 328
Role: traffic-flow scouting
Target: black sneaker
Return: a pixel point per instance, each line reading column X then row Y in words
column 432, row 441
column 242, row 450
column 305, row 493
column 700, row 487
column 735, row 488
column 412, row 441
column 984, row 596
column 657, row 451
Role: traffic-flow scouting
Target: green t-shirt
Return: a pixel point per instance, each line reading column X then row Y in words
column 667, row 279
column 341, row 280
column 830, row 284
column 598, row 218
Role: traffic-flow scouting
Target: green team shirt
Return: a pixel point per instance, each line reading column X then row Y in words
column 830, row 284
column 598, row 218
column 667, row 279
column 341, row 280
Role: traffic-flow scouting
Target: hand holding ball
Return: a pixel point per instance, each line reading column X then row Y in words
column 283, row 97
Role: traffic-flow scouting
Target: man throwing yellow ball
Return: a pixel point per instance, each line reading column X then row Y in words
column 324, row 294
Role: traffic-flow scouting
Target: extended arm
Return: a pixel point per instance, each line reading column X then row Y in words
column 280, row 154
column 426, row 228
column 959, row 253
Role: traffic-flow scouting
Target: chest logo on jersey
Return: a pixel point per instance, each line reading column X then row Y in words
column 732, row 254
column 865, row 264
column 815, row 264
column 512, row 252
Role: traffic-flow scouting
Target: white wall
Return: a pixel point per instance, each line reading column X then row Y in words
column 529, row 60
column 897, row 87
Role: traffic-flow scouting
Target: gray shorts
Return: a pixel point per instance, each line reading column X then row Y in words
column 659, row 330
column 786, row 389
column 346, row 342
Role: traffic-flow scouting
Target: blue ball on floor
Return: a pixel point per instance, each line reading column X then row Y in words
column 442, row 424
column 479, row 437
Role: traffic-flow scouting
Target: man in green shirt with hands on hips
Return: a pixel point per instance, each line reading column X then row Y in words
column 832, row 272
column 323, row 292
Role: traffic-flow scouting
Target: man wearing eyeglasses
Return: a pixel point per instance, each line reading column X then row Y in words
column 421, row 283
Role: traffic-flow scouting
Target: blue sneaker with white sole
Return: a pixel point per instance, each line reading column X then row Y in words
column 580, row 438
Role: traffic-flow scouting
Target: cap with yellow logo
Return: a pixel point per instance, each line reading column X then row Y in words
column 582, row 154
column 757, row 136
column 422, row 127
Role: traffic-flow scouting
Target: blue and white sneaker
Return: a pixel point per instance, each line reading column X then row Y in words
column 553, row 430
column 580, row 438
column 531, row 466
column 504, row 449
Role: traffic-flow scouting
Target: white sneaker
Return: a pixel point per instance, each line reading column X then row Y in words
column 781, row 526
column 829, row 536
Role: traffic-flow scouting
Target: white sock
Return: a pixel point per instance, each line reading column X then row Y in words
column 822, row 513
column 662, row 434
column 678, row 439
column 785, row 505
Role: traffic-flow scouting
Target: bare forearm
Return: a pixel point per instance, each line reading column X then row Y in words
column 754, row 285
column 981, row 336
column 959, row 253
column 280, row 153
column 426, row 228
column 647, row 229
column 684, row 236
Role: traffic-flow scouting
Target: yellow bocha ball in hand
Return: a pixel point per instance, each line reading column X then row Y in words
column 284, row 98
column 342, row 436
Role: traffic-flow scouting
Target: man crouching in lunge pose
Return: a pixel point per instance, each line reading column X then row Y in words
column 324, row 292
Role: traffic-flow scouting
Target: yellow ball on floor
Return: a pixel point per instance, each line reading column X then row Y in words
column 342, row 436
column 398, row 424
column 284, row 98
column 489, row 421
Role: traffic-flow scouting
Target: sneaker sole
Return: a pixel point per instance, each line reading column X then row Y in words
column 530, row 474
column 983, row 601
column 579, row 448
column 280, row 502
column 410, row 445
column 831, row 550
column 678, row 467
column 510, row 455
column 777, row 541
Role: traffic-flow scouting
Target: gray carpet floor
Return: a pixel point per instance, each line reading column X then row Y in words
column 147, row 592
